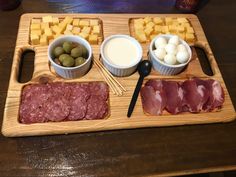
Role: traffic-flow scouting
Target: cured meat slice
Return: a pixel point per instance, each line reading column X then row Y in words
column 97, row 108
column 218, row 94
column 153, row 97
column 174, row 96
column 99, row 89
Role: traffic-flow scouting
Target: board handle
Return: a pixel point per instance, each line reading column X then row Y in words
column 205, row 46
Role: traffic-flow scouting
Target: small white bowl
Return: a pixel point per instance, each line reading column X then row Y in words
column 70, row 72
column 118, row 70
column 162, row 67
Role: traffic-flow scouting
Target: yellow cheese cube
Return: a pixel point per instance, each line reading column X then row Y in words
column 55, row 20
column 181, row 35
column 47, row 19
column 138, row 26
column 190, row 30
column 57, row 35
column 150, row 25
column 34, row 38
column 57, row 29
column 93, row 22
column 96, row 30
column 68, row 20
column 148, row 31
column 86, row 29
column 172, row 28
column 84, row 23
column 147, row 20
column 69, row 27
column 67, row 32
column 35, row 26
column 35, row 21
column 43, row 40
column 139, row 21
column 75, row 22
column 93, row 39
column 180, row 29
column 157, row 20
column 157, row 29
column 48, row 33
column 76, row 30
column 152, row 36
column 189, row 37
column 84, row 35
column 168, row 20
column 62, row 25
column 37, row 32
column 165, row 29
column 44, row 25
column 141, row 37
column 182, row 20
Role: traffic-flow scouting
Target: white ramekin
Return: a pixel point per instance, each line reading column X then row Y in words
column 70, row 72
column 121, row 70
column 162, row 67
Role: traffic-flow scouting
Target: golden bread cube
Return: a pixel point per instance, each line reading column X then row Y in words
column 34, row 39
column 139, row 21
column 55, row 20
column 68, row 20
column 94, row 22
column 182, row 20
column 43, row 40
column 67, row 32
column 35, row 21
column 157, row 20
column 84, row 35
column 148, row 31
column 168, row 20
column 150, row 25
column 86, row 29
column 147, row 20
column 75, row 22
column 96, row 30
column 37, row 32
column 69, row 27
column 190, row 30
column 35, row 26
column 47, row 19
column 181, row 29
column 189, row 37
column 157, row 29
column 93, row 39
column 76, row 30
column 84, row 23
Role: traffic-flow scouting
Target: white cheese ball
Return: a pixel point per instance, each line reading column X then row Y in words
column 160, row 53
column 182, row 56
column 174, row 40
column 171, row 49
column 181, row 47
column 160, row 42
column 170, row 59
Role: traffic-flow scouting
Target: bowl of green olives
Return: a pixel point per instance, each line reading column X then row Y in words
column 70, row 56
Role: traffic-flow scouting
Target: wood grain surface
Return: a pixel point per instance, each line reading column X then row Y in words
column 169, row 151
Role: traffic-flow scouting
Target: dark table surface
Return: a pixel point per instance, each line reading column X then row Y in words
column 137, row 152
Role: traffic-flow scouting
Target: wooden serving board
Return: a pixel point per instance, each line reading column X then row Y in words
column 112, row 24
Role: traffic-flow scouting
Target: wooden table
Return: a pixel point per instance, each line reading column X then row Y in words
column 138, row 152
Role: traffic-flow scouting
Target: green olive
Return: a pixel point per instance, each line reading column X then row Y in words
column 67, row 46
column 77, row 52
column 62, row 57
column 79, row 61
column 58, row 51
column 68, row 61
column 85, row 52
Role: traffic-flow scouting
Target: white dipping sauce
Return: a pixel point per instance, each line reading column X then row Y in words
column 121, row 51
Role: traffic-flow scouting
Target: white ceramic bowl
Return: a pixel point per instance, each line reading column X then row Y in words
column 162, row 67
column 70, row 72
column 118, row 70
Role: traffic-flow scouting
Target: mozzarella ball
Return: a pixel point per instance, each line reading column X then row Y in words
column 170, row 59
column 171, row 49
column 181, row 47
column 182, row 56
column 160, row 42
column 160, row 53
column 174, row 40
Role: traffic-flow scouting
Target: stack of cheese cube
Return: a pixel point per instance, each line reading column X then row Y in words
column 43, row 31
column 145, row 29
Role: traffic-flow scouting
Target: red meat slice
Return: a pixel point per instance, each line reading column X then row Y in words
column 218, row 95
column 99, row 89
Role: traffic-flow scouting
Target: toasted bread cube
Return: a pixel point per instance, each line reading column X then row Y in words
column 93, row 22
column 139, row 21
column 84, row 35
column 34, row 39
column 150, row 25
column 158, row 20
column 35, row 21
column 76, row 30
column 138, row 26
column 141, row 37
column 37, row 32
column 157, row 29
column 55, row 20
column 190, row 30
column 68, row 20
column 67, row 32
column 93, row 39
column 182, row 20
column 148, row 31
column 165, row 29
column 168, row 21
column 86, row 29
column 75, row 22
column 180, row 29
column 147, row 20
column 43, row 40
column 96, row 30
column 189, row 37
column 62, row 25
column 69, row 27
column 47, row 19
column 84, row 23
column 35, row 26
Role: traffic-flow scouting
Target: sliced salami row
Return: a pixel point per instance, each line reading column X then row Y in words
column 193, row 95
column 63, row 102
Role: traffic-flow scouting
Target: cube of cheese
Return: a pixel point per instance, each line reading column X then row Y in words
column 44, row 25
column 83, row 23
column 37, row 32
column 67, row 32
column 141, row 37
column 190, row 30
column 68, row 20
column 35, row 26
column 150, row 25
column 96, row 30
column 182, row 20
column 43, row 40
column 157, row 20
column 180, row 29
column 165, row 29
column 93, row 22
column 181, row 35
column 76, row 30
column 48, row 33
column 93, row 39
column 75, row 22
column 157, row 29
column 148, row 31
column 147, row 20
column 84, row 35
column 172, row 28
column 62, row 25
column 47, row 19
column 152, row 36
column 189, row 37
column 35, row 21
column 138, row 26
column 168, row 20
column 69, row 27
column 57, row 30
column 34, row 38
column 139, row 21
column 55, row 21
column 86, row 29
column 57, row 35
